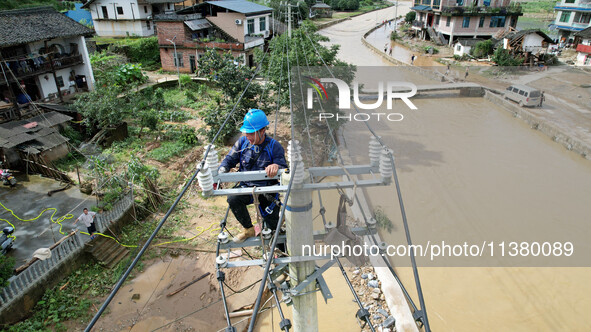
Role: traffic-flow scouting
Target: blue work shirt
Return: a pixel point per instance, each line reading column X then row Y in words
column 255, row 158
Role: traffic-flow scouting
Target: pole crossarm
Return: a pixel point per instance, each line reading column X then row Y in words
column 305, row 187
column 318, row 236
column 279, row 260
column 314, row 172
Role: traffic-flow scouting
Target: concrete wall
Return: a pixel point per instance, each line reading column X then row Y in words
column 226, row 22
column 546, row 127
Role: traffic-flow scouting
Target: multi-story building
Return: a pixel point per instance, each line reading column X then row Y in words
column 444, row 21
column 583, row 47
column 43, row 55
column 237, row 26
column 571, row 16
column 127, row 18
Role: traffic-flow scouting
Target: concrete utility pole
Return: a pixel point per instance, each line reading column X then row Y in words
column 176, row 60
column 299, row 232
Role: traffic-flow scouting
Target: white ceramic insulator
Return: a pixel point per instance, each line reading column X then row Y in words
column 267, row 233
column 223, row 237
column 386, row 164
column 221, row 261
column 211, row 161
column 293, row 152
column 298, row 175
column 375, row 151
column 205, row 180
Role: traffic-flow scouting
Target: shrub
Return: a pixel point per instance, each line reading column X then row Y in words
column 144, row 51
column 482, row 48
column 410, row 16
column 394, row 36
column 6, row 269
column 503, row 57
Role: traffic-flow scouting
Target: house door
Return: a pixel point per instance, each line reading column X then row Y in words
column 105, row 12
column 193, row 64
column 250, row 61
column 430, row 20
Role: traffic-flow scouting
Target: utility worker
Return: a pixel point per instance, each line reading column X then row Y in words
column 255, row 151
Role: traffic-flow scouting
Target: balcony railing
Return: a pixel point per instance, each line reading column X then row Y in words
column 513, row 9
column 16, row 69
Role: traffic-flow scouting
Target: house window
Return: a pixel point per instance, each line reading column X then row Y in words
column 148, row 25
column 120, row 10
column 250, row 26
column 481, row 23
column 179, row 60
column 447, row 21
column 262, row 24
column 105, row 12
column 417, row 2
column 486, row 3
column 466, row 23
column 437, row 18
column 60, row 82
column 167, row 5
column 569, row 1
column 459, row 48
column 460, row 2
column 436, row 4
column 145, row 9
column 565, row 17
column 513, row 21
column 427, row 2
column 497, row 22
column 585, row 18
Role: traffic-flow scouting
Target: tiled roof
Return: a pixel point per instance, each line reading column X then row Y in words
column 240, row 6
column 23, row 26
column 584, row 33
column 41, row 135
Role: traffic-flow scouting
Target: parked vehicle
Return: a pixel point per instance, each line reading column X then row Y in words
column 6, row 241
column 7, row 178
column 523, row 95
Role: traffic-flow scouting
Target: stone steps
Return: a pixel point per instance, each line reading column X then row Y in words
column 106, row 251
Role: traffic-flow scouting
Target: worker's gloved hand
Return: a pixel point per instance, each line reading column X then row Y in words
column 222, row 170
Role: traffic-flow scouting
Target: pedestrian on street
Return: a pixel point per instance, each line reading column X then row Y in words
column 447, row 70
column 255, row 151
column 466, row 75
column 542, row 98
column 87, row 218
column 386, row 48
column 412, row 59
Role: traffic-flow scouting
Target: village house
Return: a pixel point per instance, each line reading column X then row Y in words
column 531, row 44
column 237, row 26
column 583, row 38
column 463, row 46
column 445, row 21
column 127, row 18
column 43, row 56
column 571, row 16
column 320, row 9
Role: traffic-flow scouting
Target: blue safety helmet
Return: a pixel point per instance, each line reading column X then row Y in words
column 254, row 121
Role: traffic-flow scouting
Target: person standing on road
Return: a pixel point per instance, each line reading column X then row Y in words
column 542, row 98
column 412, row 59
column 87, row 218
column 386, row 47
column 466, row 75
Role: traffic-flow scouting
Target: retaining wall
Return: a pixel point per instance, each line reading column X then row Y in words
column 545, row 127
column 25, row 289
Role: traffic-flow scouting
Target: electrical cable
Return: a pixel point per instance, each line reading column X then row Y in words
column 171, row 209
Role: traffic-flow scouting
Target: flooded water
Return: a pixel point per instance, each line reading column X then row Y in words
column 468, row 171
column 27, row 200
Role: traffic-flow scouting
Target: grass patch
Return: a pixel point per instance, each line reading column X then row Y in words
column 168, row 150
column 538, row 6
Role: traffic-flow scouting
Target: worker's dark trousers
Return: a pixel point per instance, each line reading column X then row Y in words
column 238, row 206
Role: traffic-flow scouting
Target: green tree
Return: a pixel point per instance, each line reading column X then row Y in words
column 102, row 107
column 482, row 48
column 56, row 4
column 232, row 78
column 410, row 17
column 503, row 57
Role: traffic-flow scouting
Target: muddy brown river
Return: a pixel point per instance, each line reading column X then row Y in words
column 466, row 166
